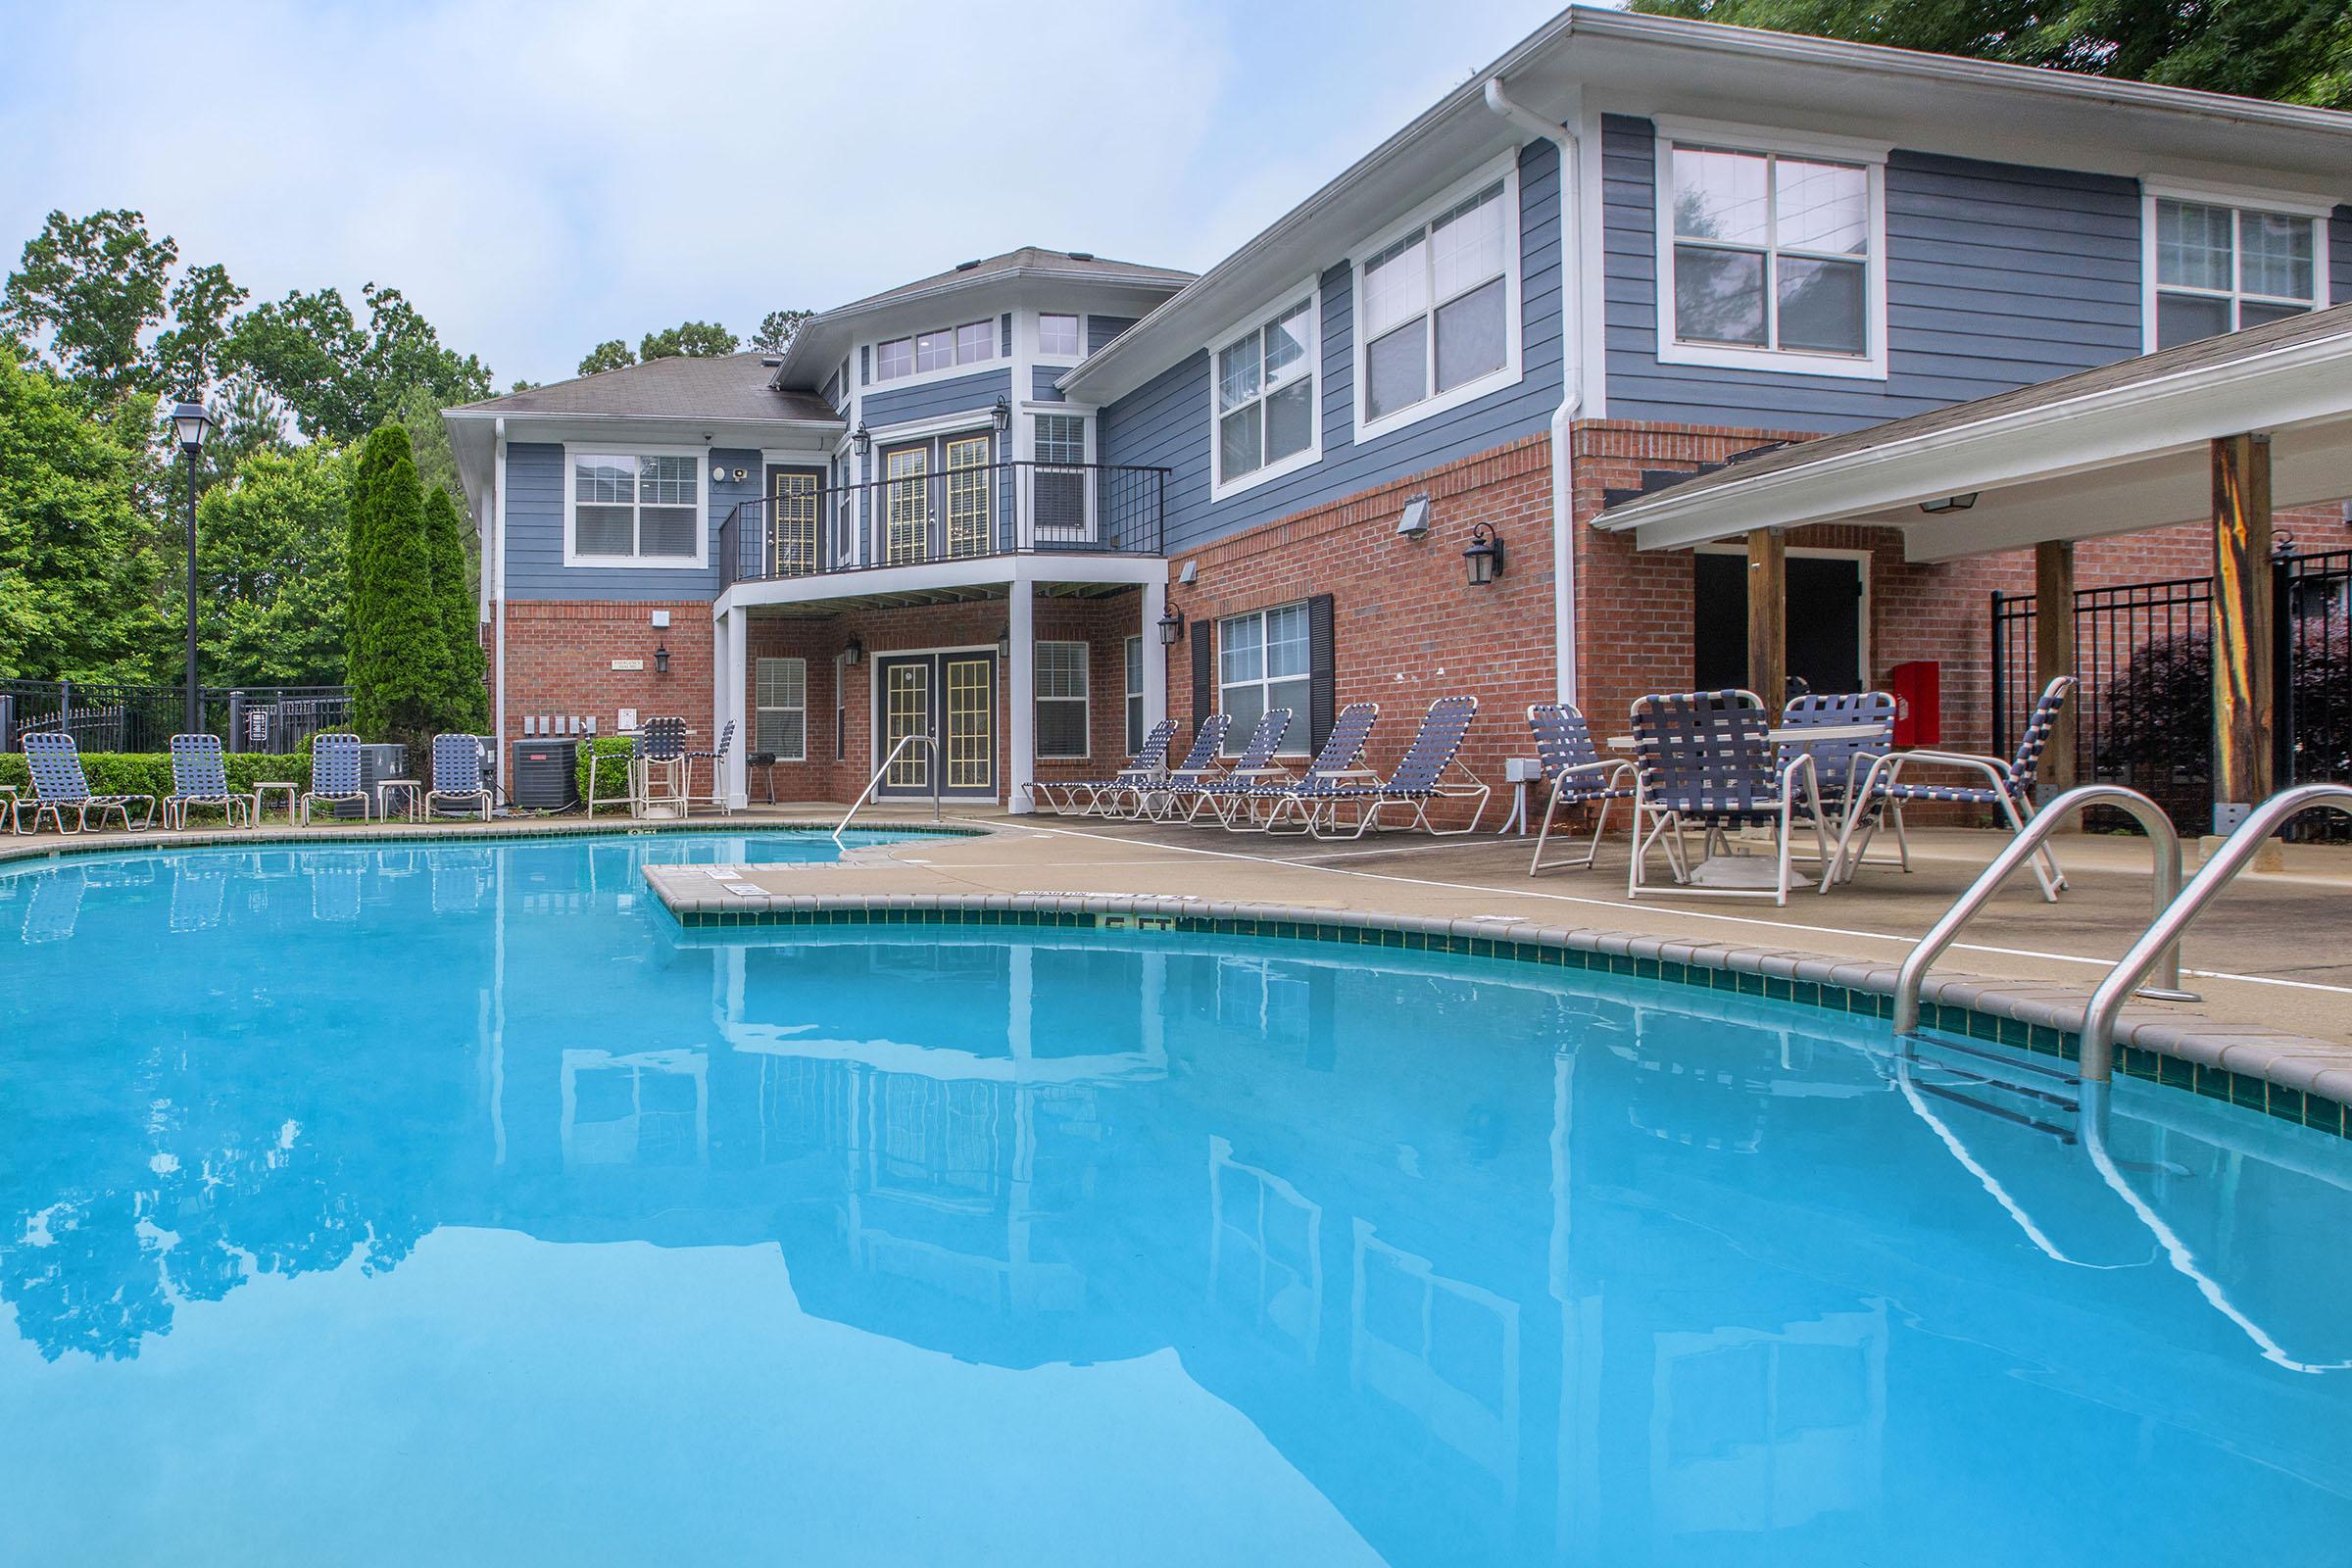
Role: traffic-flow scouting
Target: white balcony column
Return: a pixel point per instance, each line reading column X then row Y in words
column 735, row 661
column 1155, row 658
column 1020, row 699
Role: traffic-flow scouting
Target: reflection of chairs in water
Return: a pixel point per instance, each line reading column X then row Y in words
column 335, row 885
column 458, row 876
column 55, row 906
column 199, row 889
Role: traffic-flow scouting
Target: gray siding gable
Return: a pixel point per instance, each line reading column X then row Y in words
column 933, row 399
column 535, row 566
column 1997, row 276
column 1041, row 382
column 1101, row 329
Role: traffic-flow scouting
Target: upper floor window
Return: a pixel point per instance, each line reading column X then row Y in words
column 940, row 350
column 1771, row 258
column 1059, row 335
column 1435, row 310
column 634, row 509
column 2220, row 268
column 1264, row 394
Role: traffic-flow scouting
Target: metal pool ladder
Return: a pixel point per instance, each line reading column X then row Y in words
column 928, row 744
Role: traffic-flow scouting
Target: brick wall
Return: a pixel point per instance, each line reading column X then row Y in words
column 560, row 656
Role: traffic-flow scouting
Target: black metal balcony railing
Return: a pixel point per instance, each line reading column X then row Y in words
column 998, row 509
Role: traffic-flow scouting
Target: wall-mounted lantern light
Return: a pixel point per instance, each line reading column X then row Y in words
column 1005, row 641
column 1484, row 556
column 1171, row 626
column 1948, row 504
column 661, row 659
column 862, row 440
column 1414, row 525
column 1002, row 412
column 852, row 652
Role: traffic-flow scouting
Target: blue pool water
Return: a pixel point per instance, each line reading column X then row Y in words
column 391, row 1205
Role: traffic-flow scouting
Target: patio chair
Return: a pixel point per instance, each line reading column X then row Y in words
column 2008, row 789
column 1228, row 791
column 199, row 778
column 1198, row 763
column 1149, row 761
column 1418, row 781
column 1839, row 766
column 458, row 773
column 662, row 753
column 59, row 784
column 1579, row 775
column 1706, row 759
column 334, row 774
column 1265, row 805
column 718, row 768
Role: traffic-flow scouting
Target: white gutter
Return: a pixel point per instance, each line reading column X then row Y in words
column 498, row 631
column 1572, row 387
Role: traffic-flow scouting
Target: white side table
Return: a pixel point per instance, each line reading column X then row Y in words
column 383, row 797
column 293, row 801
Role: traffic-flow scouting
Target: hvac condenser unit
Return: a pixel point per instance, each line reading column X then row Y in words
column 543, row 779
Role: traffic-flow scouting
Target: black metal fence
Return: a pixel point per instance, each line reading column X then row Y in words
column 103, row 717
column 2144, row 654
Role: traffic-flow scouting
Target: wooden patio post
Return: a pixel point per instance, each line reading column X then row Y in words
column 2055, row 655
column 1768, row 617
column 2241, row 626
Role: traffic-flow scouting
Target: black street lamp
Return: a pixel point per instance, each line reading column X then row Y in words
column 190, row 422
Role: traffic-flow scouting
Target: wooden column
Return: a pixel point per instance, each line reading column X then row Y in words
column 2054, row 654
column 2241, row 621
column 1768, row 617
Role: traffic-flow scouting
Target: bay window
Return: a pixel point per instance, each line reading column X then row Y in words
column 941, row 349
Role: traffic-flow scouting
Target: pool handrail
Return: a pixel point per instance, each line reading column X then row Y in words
column 2164, row 842
column 866, row 794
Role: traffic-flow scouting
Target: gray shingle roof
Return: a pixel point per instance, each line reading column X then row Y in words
column 1029, row 258
column 730, row 386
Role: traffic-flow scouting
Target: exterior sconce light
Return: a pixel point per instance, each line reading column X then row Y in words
column 1005, row 641
column 1171, row 626
column 1414, row 525
column 862, row 440
column 1948, row 504
column 1484, row 556
column 1002, row 414
column 661, row 659
column 852, row 652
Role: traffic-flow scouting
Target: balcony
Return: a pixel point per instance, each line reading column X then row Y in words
column 961, row 514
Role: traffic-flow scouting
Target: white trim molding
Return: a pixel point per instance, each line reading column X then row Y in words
column 697, row 456
column 1869, row 156
column 2318, row 211
column 1310, row 290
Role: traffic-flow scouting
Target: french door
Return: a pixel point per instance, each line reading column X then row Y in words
column 949, row 696
column 795, row 503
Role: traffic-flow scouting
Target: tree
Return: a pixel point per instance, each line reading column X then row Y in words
column 464, row 696
column 611, row 355
column 397, row 665
column 2296, row 51
column 188, row 357
column 270, row 567
column 778, row 329
column 341, row 379
column 691, row 340
column 419, row 413
column 92, row 287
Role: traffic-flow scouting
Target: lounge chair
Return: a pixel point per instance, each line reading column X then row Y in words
column 59, row 784
column 1418, row 781
column 1841, row 765
column 1228, row 791
column 1149, row 761
column 334, row 774
column 2008, row 789
column 199, row 778
column 1706, row 760
column 1265, row 805
column 1579, row 775
column 458, row 773
column 1135, row 788
column 1159, row 798
column 718, row 768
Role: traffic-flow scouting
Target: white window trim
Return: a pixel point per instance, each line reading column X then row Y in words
column 1294, row 739
column 1514, row 284
column 1085, row 699
column 1311, row 286
column 1040, row 354
column 997, row 357
column 1870, row 155
column 1862, row 562
column 758, row 708
column 1131, row 698
column 700, row 558
column 2239, row 198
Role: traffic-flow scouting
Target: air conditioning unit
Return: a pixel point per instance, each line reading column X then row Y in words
column 543, row 778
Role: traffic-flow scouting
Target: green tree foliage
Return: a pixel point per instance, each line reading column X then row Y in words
column 396, row 659
column 188, row 357
column 78, row 570
column 778, row 329
column 688, row 339
column 611, row 355
column 464, row 698
column 341, row 379
column 420, row 414
column 2296, row 51
column 91, row 288
column 271, row 569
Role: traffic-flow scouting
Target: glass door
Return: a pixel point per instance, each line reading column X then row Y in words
column 968, row 508
column 795, row 500
column 950, row 698
column 906, row 505
column 907, row 694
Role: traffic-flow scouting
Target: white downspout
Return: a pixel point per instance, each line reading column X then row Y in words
column 497, row 550
column 1572, row 383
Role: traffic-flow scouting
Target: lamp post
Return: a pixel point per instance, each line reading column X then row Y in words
column 190, row 422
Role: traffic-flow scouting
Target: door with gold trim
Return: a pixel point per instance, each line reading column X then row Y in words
column 949, row 696
column 906, row 505
column 795, row 509
column 970, row 515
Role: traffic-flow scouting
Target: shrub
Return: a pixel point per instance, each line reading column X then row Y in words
column 616, row 751
column 150, row 772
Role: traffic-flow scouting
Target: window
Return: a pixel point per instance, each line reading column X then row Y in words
column 1134, row 695
column 940, row 350
column 636, row 507
column 1059, row 335
column 1265, row 396
column 780, row 727
column 2220, row 268
column 1059, row 494
column 1262, row 663
column 1061, row 711
column 1771, row 258
column 1435, row 310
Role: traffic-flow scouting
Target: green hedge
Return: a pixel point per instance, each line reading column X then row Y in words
column 150, row 772
column 611, row 774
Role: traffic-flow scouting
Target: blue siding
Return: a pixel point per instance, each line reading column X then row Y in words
column 1101, row 329
column 832, row 392
column 1041, row 382
column 535, row 566
column 933, row 398
column 1165, row 422
column 1996, row 276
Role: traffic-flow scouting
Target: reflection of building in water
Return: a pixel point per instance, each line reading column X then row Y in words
column 1444, row 1349
column 649, row 1107
column 1265, row 1250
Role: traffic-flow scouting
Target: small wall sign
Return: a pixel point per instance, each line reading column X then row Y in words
column 628, row 663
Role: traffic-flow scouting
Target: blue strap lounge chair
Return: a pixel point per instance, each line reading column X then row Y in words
column 718, row 767
column 458, row 773
column 1706, row 760
column 1077, row 797
column 1140, row 800
column 1839, row 764
column 1419, row 781
column 1225, row 791
column 199, row 778
column 660, row 773
column 1577, row 775
column 1266, row 806
column 334, row 774
column 59, row 786
column 2008, row 789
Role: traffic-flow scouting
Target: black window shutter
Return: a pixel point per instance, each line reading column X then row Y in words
column 1321, row 676
column 1205, row 670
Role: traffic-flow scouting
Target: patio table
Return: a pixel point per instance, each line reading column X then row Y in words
column 293, row 798
column 384, row 792
column 1731, row 869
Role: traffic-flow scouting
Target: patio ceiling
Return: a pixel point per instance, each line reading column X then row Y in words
column 2113, row 449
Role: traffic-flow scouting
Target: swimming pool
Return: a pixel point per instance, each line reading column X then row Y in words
column 383, row 1202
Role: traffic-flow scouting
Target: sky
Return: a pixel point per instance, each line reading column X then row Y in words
column 538, row 177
